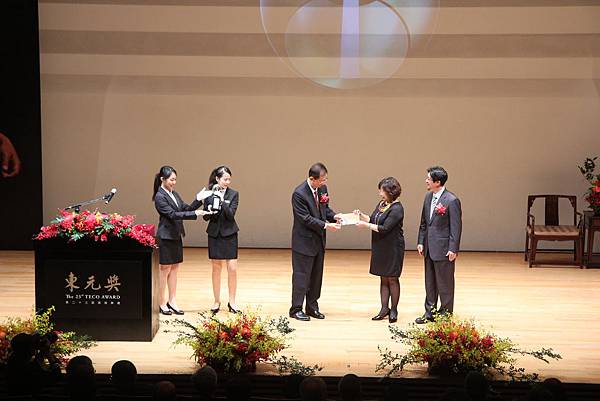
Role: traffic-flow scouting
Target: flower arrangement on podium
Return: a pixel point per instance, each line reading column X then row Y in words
column 238, row 343
column 97, row 226
column 449, row 346
column 592, row 195
column 51, row 346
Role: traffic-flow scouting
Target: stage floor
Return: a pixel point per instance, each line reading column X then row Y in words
column 554, row 307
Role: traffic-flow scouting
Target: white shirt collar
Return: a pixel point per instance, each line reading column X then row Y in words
column 170, row 194
column 439, row 193
column 310, row 186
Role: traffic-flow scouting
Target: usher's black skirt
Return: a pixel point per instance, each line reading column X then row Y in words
column 223, row 248
column 170, row 251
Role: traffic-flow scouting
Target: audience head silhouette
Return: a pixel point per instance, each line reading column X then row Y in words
column 349, row 388
column 123, row 375
column 164, row 391
column 205, row 382
column 313, row 389
column 81, row 379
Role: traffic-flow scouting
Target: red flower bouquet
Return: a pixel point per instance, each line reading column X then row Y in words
column 440, row 209
column 97, row 226
column 450, row 345
column 592, row 195
column 239, row 343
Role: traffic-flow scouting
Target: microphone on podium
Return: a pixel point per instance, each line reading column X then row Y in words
column 110, row 195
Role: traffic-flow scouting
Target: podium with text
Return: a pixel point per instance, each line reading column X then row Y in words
column 107, row 290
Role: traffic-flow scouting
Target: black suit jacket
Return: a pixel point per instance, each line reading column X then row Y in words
column 223, row 223
column 441, row 233
column 308, row 232
column 170, row 224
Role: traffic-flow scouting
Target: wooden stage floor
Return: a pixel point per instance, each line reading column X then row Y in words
column 556, row 307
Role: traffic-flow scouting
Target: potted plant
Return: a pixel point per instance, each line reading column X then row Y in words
column 450, row 346
column 592, row 195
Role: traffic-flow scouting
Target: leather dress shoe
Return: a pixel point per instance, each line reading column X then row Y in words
column 164, row 311
column 175, row 311
column 423, row 319
column 214, row 311
column 393, row 316
column 316, row 314
column 300, row 316
column 381, row 315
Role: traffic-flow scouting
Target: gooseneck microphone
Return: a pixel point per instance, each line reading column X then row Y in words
column 110, row 195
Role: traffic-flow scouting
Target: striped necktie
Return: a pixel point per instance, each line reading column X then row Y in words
column 433, row 205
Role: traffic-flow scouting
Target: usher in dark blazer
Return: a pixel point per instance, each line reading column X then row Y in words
column 223, row 223
column 170, row 224
column 308, row 233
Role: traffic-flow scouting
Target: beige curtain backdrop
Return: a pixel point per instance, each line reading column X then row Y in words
column 505, row 96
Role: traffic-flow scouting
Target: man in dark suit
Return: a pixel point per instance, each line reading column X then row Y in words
column 439, row 242
column 312, row 218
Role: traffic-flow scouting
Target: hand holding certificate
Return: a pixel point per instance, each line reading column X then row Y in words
column 347, row 219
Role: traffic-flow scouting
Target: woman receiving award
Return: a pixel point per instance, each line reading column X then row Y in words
column 222, row 234
column 172, row 210
column 387, row 245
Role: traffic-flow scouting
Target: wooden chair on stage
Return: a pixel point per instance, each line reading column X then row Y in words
column 552, row 230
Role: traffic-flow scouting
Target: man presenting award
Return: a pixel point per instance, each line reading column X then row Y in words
column 312, row 218
column 439, row 241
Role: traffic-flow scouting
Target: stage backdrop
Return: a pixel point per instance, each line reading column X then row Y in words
column 504, row 94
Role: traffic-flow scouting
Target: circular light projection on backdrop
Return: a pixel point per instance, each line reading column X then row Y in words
column 347, row 44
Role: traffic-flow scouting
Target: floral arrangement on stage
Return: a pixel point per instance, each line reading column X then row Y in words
column 52, row 346
column 449, row 345
column 98, row 227
column 237, row 344
column 592, row 195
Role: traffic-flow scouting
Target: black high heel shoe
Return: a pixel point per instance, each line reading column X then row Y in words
column 215, row 310
column 175, row 311
column 393, row 316
column 164, row 312
column 231, row 310
column 381, row 315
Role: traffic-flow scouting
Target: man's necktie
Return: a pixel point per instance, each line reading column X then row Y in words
column 433, row 205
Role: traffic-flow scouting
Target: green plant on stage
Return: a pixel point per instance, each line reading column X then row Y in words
column 62, row 343
column 453, row 346
column 291, row 365
column 238, row 343
column 592, row 194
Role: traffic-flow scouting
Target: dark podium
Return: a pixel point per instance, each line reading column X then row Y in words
column 107, row 290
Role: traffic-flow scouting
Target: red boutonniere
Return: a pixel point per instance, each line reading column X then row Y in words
column 324, row 198
column 440, row 209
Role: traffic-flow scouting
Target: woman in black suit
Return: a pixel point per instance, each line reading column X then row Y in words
column 387, row 245
column 222, row 234
column 172, row 210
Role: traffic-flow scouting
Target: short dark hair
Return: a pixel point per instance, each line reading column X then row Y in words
column 123, row 373
column 438, row 173
column 317, row 170
column 164, row 391
column 391, row 187
column 205, row 381
column 313, row 389
column 350, row 388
